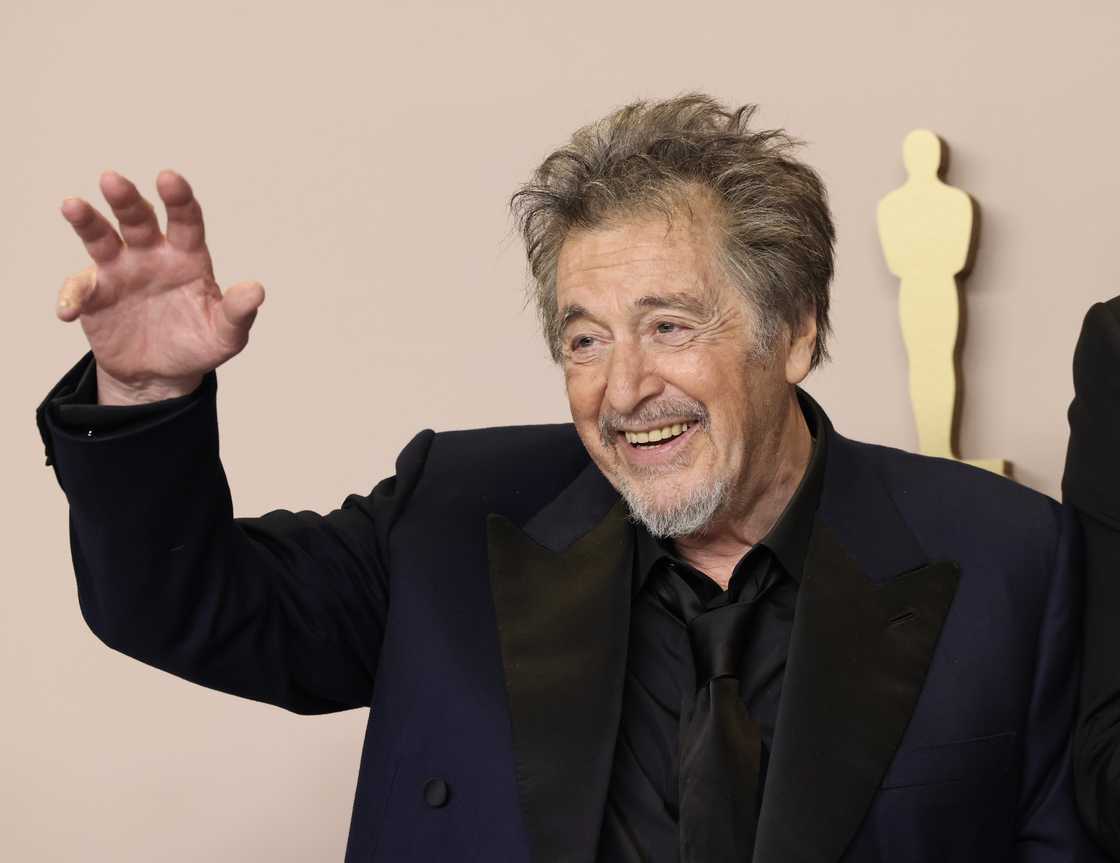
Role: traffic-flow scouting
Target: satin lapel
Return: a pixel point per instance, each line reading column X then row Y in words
column 561, row 589
column 863, row 637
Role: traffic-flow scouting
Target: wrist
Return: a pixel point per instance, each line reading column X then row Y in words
column 110, row 391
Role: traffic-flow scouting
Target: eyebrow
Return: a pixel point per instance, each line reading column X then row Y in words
column 688, row 303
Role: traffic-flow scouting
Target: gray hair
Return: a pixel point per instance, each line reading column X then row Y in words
column 656, row 156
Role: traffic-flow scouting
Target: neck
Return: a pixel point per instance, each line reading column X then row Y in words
column 773, row 475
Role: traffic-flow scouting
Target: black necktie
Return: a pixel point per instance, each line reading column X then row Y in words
column 721, row 752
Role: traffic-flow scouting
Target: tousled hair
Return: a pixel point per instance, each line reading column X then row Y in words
column 777, row 234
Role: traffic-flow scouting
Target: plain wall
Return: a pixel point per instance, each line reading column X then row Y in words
column 357, row 159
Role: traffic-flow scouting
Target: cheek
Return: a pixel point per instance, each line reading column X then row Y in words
column 584, row 397
column 732, row 415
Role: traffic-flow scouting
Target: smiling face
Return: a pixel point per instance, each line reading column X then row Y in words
column 665, row 389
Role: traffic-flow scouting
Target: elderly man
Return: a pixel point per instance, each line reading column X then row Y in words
column 697, row 624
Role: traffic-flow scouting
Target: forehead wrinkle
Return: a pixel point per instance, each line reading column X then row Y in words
column 659, row 261
column 704, row 307
column 577, row 269
column 623, row 245
column 682, row 300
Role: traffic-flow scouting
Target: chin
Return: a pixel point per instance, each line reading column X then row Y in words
column 688, row 511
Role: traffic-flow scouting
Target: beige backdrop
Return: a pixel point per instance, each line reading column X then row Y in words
column 356, row 159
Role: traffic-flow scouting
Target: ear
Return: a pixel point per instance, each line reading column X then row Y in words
column 800, row 357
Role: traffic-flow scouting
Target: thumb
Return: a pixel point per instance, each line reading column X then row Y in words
column 75, row 293
column 240, row 303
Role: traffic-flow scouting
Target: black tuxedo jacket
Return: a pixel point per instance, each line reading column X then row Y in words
column 1092, row 485
column 479, row 601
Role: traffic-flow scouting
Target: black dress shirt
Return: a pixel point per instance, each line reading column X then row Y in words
column 640, row 823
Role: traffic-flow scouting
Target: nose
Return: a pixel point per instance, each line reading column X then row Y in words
column 631, row 377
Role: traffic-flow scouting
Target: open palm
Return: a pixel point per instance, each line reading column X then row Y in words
column 154, row 316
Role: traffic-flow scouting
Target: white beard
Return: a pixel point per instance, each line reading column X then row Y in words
column 687, row 515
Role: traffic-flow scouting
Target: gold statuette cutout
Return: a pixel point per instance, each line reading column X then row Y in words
column 926, row 229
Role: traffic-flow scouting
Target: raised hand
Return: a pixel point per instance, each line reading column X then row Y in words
column 155, row 319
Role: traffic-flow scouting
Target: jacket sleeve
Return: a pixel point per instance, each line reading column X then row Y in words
column 1092, row 485
column 287, row 608
column 74, row 406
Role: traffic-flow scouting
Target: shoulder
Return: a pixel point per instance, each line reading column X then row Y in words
column 514, row 470
column 1092, row 473
column 527, row 451
column 907, row 472
column 1099, row 343
column 956, row 509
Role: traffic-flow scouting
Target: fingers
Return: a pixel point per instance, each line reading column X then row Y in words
column 239, row 309
column 75, row 293
column 137, row 218
column 100, row 240
column 184, row 215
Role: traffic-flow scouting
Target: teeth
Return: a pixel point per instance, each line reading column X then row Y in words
column 657, row 435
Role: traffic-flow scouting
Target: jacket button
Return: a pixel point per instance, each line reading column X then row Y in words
column 436, row 793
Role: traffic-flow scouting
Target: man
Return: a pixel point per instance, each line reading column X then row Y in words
column 697, row 624
column 1092, row 485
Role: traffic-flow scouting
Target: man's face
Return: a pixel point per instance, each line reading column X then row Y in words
column 657, row 342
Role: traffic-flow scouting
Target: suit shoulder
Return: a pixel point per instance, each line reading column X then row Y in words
column 506, row 469
column 501, row 444
column 953, row 500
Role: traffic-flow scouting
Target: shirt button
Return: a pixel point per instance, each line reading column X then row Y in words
column 436, row 793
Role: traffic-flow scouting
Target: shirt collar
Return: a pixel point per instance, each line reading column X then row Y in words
column 788, row 539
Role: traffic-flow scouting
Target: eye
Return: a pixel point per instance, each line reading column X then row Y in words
column 582, row 347
column 671, row 332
